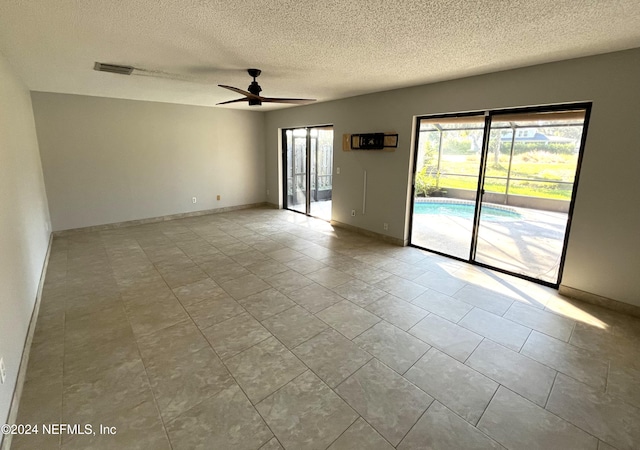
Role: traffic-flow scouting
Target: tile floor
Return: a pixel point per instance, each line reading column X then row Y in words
column 264, row 329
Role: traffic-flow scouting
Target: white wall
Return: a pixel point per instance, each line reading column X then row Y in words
column 604, row 247
column 24, row 224
column 110, row 160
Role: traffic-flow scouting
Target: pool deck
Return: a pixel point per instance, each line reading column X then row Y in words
column 531, row 245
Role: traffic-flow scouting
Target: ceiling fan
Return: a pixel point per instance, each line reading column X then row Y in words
column 253, row 95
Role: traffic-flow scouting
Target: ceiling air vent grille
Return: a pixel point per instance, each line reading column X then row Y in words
column 113, row 68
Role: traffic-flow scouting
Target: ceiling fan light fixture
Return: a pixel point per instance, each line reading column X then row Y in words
column 253, row 97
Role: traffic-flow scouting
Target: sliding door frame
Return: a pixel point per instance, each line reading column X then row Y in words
column 285, row 197
column 489, row 117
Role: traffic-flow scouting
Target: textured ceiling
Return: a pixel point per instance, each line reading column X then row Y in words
column 306, row 48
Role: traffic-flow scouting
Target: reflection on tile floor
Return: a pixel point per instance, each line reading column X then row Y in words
column 267, row 329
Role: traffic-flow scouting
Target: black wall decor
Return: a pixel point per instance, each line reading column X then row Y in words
column 373, row 141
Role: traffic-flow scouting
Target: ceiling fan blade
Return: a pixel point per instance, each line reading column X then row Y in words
column 234, row 101
column 240, row 91
column 296, row 101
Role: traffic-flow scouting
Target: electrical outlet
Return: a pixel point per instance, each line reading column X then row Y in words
column 337, row 170
column 3, row 371
column 385, row 226
column 267, row 191
column 353, row 212
column 194, row 200
column 218, row 197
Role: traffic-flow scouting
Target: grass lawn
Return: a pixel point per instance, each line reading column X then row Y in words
column 538, row 165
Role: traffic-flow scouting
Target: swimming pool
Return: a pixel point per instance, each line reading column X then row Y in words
column 465, row 211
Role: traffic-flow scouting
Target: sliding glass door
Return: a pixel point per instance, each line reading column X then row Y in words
column 308, row 162
column 497, row 189
column 446, row 182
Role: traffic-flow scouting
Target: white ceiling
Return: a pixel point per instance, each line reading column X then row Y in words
column 326, row 49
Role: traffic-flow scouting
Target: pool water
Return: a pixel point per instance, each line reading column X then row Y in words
column 464, row 210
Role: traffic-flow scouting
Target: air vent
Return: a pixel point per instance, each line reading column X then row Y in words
column 113, row 68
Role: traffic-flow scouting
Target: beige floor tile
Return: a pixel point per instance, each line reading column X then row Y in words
column 267, row 245
column 367, row 273
column 306, row 414
column 608, row 418
column 502, row 331
column 161, row 314
column 184, row 380
column 401, row 269
column 522, row 375
column 250, row 257
column 443, row 305
column 119, row 388
column 41, row 401
column 79, row 306
column 517, row 423
column 294, row 326
column 329, row 277
column 264, row 368
column 623, row 380
column 331, row 356
column 265, row 304
column 88, row 363
column 234, row 248
column 446, row 336
column 137, row 428
column 573, row 361
column 384, row 399
column 109, row 324
column 193, row 293
column 225, row 272
column 273, row 444
column 458, row 387
column 398, row 312
column 347, row 318
column 289, row 281
column 484, row 298
column 439, row 428
column 305, row 265
column 31, row 441
column 234, row 335
column 543, row 321
column 265, row 269
column 284, row 255
column 244, row 286
column 400, row 287
column 604, row 446
column 359, row 292
column 441, row 282
column 227, row 420
column 211, row 311
column 314, row 297
column 610, row 341
column 177, row 278
column 360, row 435
column 394, row 347
column 182, row 338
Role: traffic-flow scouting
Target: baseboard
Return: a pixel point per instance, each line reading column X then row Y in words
column 24, row 361
column 133, row 223
column 373, row 234
column 599, row 300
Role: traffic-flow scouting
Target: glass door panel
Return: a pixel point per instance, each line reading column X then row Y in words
column 321, row 158
column 309, row 162
column 296, row 187
column 446, row 182
column 531, row 166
